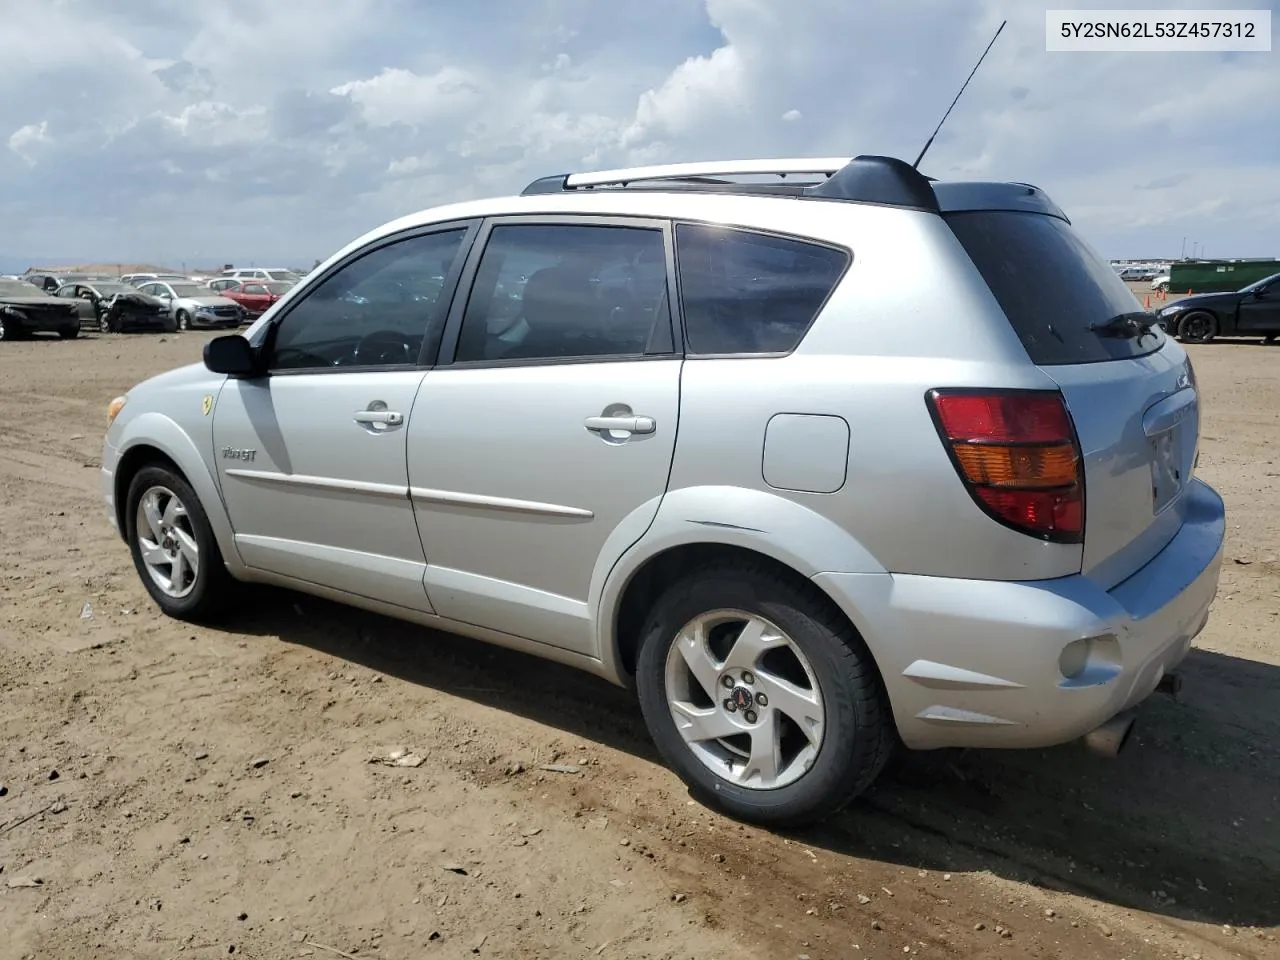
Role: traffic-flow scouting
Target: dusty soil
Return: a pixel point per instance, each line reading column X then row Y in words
column 199, row 792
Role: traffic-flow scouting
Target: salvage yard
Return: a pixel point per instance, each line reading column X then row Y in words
column 173, row 791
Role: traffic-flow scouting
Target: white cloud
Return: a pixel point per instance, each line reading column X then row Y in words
column 402, row 96
column 327, row 125
column 215, row 124
column 25, row 140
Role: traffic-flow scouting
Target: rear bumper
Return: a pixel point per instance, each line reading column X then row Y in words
column 976, row 663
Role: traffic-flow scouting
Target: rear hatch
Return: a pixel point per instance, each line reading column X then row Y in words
column 1131, row 394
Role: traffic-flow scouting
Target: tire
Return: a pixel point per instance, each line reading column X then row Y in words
column 1197, row 327
column 857, row 734
column 104, row 325
column 69, row 333
column 8, row 329
column 205, row 598
column 184, row 321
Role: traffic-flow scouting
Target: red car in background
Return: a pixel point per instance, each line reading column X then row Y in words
column 255, row 295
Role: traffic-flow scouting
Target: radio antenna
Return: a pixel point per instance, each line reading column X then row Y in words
column 916, row 165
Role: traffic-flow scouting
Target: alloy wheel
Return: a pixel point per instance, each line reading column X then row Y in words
column 745, row 699
column 167, row 542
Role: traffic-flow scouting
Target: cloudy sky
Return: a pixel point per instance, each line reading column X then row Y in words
column 277, row 130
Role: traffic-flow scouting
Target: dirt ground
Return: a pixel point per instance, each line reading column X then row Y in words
column 189, row 792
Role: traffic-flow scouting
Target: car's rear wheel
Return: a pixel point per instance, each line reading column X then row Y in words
column 184, row 320
column 173, row 546
column 1197, row 327
column 761, row 696
column 69, row 332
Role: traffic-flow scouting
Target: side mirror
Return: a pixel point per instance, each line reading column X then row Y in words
column 231, row 355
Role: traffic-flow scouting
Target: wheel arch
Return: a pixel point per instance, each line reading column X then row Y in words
column 699, row 526
column 154, row 438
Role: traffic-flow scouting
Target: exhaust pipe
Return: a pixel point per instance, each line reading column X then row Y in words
column 1109, row 739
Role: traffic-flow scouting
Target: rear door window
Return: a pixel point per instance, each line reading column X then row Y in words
column 1052, row 286
column 568, row 291
column 751, row 293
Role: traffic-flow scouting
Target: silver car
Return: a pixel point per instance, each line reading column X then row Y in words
column 723, row 442
column 192, row 305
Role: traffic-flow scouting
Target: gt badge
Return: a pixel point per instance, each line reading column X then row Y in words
column 207, row 403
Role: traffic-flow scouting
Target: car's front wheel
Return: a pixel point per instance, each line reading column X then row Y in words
column 173, row 546
column 761, row 696
column 70, row 332
column 184, row 320
column 1197, row 327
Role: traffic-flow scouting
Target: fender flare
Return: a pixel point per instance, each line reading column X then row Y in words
column 152, row 429
column 766, row 523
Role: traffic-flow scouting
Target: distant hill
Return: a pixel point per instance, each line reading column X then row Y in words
column 117, row 269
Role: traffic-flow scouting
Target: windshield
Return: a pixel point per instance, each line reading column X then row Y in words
column 1053, row 288
column 1258, row 284
column 188, row 290
column 18, row 288
column 107, row 289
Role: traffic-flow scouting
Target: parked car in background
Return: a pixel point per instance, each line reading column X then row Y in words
column 49, row 282
column 1251, row 311
column 221, row 283
column 261, row 273
column 688, row 455
column 192, row 305
column 26, row 309
column 1161, row 283
column 110, row 306
column 256, row 296
column 140, row 278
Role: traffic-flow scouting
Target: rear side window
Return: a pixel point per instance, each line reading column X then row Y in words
column 1052, row 286
column 745, row 292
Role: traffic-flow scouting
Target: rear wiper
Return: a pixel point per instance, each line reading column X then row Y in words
column 1127, row 326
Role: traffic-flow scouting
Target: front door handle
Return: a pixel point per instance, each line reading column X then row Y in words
column 389, row 417
column 621, row 424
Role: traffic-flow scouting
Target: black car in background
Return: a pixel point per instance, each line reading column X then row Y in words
column 25, row 309
column 49, row 282
column 1252, row 311
column 111, row 306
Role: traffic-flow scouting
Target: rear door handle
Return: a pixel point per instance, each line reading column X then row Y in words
column 621, row 424
column 389, row 417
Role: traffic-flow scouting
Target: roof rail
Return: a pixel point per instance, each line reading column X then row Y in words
column 869, row 179
column 706, row 171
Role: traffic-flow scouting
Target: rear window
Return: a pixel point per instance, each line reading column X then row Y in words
column 1051, row 285
column 745, row 293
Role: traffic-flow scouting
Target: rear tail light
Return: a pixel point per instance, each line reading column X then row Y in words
column 1017, row 453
